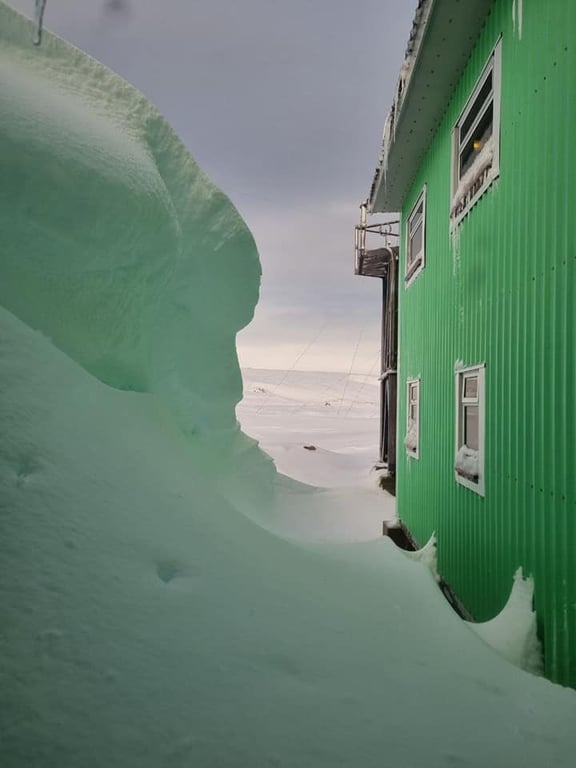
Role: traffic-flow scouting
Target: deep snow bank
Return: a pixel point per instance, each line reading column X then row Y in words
column 147, row 623
column 146, row 620
column 114, row 243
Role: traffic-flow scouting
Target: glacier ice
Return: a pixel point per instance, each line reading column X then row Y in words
column 158, row 609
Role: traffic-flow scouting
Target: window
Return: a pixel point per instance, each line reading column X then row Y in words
column 416, row 239
column 476, row 140
column 412, row 439
column 469, row 462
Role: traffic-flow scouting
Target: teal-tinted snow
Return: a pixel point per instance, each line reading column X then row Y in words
column 146, row 620
column 114, row 243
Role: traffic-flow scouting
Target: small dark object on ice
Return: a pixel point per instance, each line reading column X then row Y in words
column 310, row 447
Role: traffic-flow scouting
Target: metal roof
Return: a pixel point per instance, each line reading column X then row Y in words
column 443, row 35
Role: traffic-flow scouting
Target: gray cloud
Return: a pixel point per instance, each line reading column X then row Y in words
column 117, row 6
column 282, row 98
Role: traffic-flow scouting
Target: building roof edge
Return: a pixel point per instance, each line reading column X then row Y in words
column 443, row 35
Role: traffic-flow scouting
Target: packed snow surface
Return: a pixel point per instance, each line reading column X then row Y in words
column 320, row 428
column 163, row 602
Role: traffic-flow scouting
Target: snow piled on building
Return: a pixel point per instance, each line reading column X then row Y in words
column 152, row 614
column 475, row 179
column 467, row 462
column 513, row 632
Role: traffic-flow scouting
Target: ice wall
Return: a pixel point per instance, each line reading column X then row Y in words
column 146, row 620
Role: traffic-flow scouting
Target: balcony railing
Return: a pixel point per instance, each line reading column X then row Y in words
column 372, row 262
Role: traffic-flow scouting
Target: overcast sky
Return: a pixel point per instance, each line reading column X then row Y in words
column 282, row 103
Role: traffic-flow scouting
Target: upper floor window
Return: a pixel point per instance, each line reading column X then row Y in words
column 476, row 140
column 416, row 239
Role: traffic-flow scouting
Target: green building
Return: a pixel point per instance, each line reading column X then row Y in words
column 479, row 158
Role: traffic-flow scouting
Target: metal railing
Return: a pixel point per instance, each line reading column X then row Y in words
column 386, row 229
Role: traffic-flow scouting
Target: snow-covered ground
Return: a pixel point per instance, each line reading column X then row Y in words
column 168, row 599
column 321, row 428
column 336, row 412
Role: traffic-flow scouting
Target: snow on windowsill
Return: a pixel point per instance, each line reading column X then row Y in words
column 467, row 463
column 411, row 440
column 473, row 180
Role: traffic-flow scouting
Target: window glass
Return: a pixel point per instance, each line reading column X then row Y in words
column 483, row 95
column 416, row 242
column 412, row 418
column 477, row 141
column 415, row 238
column 471, row 387
column 471, row 427
column 416, row 218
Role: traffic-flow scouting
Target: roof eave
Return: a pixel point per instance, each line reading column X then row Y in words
column 447, row 35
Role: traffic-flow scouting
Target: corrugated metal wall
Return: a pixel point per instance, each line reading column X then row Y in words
column 503, row 292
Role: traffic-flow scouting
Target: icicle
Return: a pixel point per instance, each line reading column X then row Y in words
column 455, row 246
column 386, row 142
column 40, row 5
column 517, row 17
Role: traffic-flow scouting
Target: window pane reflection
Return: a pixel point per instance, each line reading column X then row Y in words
column 471, row 426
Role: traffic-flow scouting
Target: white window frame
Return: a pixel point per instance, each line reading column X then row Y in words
column 412, row 270
column 461, row 402
column 414, row 453
column 467, row 189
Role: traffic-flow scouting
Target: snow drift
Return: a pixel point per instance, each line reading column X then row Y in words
column 148, row 620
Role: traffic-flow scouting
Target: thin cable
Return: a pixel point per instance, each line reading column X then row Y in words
column 362, row 386
column 350, row 371
column 296, row 361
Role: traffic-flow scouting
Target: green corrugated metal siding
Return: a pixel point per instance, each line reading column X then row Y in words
column 505, row 294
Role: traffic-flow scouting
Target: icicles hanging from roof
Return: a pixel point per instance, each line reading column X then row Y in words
column 40, row 5
column 387, row 139
column 412, row 49
column 517, row 17
column 418, row 27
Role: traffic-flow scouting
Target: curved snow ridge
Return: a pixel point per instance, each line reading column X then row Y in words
column 513, row 633
column 427, row 556
column 115, row 244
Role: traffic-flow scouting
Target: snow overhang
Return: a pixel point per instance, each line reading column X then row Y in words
column 443, row 35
